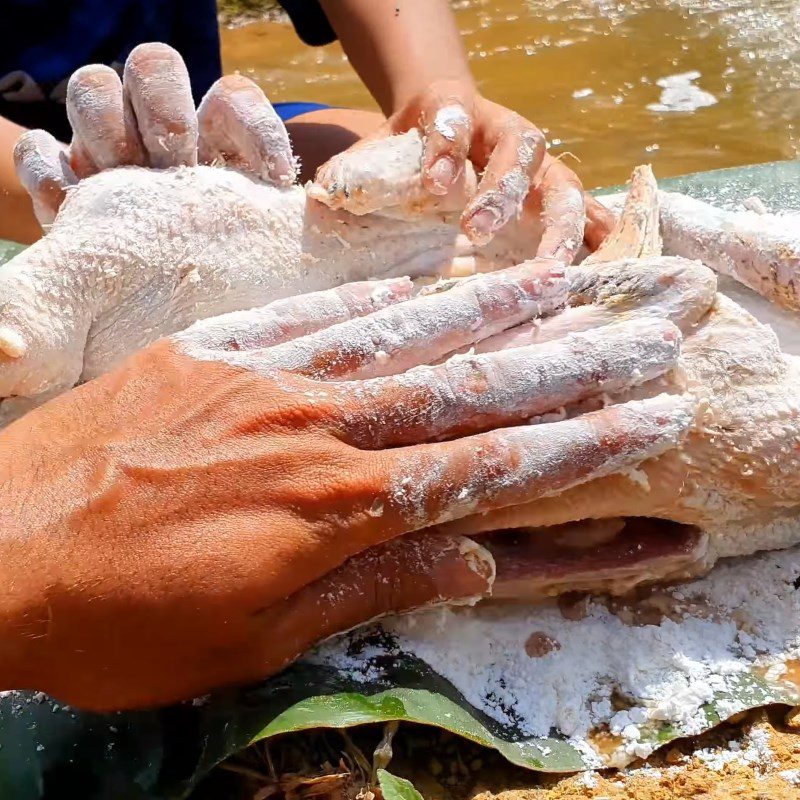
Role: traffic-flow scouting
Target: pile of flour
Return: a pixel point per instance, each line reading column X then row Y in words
column 744, row 614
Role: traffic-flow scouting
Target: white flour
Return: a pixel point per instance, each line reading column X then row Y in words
column 753, row 751
column 791, row 776
column 746, row 614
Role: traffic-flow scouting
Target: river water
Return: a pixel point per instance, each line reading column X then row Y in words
column 686, row 85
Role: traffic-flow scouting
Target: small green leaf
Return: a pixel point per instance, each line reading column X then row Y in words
column 394, row 788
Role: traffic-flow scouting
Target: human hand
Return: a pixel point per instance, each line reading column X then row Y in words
column 233, row 494
column 731, row 488
column 148, row 119
column 461, row 126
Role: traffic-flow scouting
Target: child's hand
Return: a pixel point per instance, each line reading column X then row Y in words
column 459, row 124
column 148, row 119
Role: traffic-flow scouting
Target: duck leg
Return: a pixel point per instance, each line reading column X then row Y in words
column 760, row 251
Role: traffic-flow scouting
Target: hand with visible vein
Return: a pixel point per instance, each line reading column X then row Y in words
column 231, row 495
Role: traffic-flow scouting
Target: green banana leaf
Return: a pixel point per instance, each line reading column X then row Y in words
column 777, row 183
column 50, row 750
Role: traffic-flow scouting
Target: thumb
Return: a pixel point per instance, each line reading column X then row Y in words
column 406, row 573
column 43, row 169
column 600, row 222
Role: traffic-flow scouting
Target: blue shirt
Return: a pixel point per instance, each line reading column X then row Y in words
column 42, row 42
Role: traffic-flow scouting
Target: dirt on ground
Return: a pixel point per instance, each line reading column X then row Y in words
column 679, row 773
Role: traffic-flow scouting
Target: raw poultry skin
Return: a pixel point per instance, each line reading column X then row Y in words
column 208, row 241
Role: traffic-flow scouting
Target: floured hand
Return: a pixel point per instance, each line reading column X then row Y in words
column 732, row 487
column 149, row 120
column 459, row 128
column 231, row 495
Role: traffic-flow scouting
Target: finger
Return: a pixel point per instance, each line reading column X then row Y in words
column 447, row 135
column 43, row 169
column 434, row 483
column 600, row 221
column 407, row 573
column 103, row 129
column 670, row 288
column 157, row 88
column 563, row 212
column 426, row 328
column 471, row 393
column 239, row 127
column 296, row 316
column 514, row 161
column 647, row 493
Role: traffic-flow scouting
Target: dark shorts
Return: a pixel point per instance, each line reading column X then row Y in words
column 287, row 111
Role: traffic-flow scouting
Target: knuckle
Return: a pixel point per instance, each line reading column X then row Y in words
column 453, row 127
column 469, row 376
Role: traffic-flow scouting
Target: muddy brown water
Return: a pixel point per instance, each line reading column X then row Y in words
column 588, row 72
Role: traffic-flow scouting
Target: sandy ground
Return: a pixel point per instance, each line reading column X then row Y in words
column 765, row 771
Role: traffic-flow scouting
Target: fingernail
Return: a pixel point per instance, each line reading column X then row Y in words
column 12, row 344
column 483, row 223
column 442, row 175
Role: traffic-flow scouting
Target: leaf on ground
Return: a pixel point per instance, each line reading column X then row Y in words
column 394, row 788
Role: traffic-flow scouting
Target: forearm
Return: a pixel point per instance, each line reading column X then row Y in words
column 399, row 47
column 17, row 220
